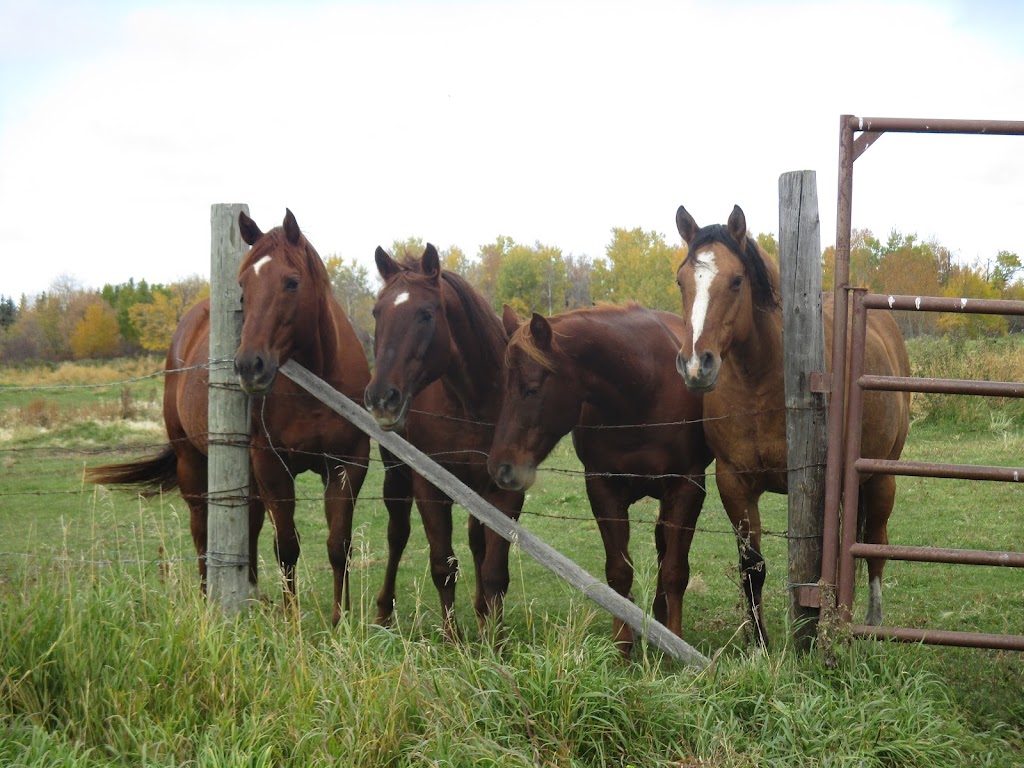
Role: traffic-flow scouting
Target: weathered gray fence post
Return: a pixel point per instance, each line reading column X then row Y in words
column 806, row 410
column 227, row 552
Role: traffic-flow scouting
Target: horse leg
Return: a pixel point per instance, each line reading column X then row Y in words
column 741, row 506
column 660, row 605
column 436, row 512
column 191, row 471
column 493, row 576
column 257, row 513
column 278, row 491
column 477, row 533
column 398, row 501
column 610, row 504
column 680, row 508
column 877, row 497
column 344, row 479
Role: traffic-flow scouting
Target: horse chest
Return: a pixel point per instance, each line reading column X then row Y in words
column 749, row 440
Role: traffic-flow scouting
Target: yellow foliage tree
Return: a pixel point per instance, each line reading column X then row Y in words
column 97, row 333
column 156, row 322
column 970, row 283
column 641, row 267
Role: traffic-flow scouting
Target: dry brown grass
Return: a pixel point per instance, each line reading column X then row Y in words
column 79, row 373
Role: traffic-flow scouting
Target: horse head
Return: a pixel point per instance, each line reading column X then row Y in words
column 412, row 340
column 283, row 283
column 723, row 281
column 543, row 400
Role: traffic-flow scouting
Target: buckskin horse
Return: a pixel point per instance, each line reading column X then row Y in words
column 289, row 314
column 605, row 374
column 438, row 350
column 731, row 351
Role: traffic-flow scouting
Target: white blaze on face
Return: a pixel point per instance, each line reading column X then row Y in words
column 704, row 272
column 401, row 298
column 260, row 264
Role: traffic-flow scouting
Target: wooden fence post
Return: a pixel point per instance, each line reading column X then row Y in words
column 227, row 552
column 806, row 410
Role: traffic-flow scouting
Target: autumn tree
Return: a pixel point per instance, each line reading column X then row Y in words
column 355, row 291
column 157, row 320
column 483, row 271
column 640, row 266
column 578, row 271
column 969, row 282
column 122, row 298
column 97, row 333
column 454, row 259
column 906, row 266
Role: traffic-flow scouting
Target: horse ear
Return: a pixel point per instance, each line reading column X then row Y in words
column 738, row 226
column 386, row 265
column 540, row 330
column 510, row 319
column 291, row 227
column 248, row 229
column 686, row 225
column 431, row 263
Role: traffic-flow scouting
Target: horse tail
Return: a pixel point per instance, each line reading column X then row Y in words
column 155, row 475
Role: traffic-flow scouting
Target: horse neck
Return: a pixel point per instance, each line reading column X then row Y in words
column 474, row 374
column 317, row 346
column 602, row 349
column 757, row 359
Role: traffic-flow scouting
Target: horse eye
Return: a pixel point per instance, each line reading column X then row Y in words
column 424, row 317
column 291, row 284
column 531, row 391
column 737, row 283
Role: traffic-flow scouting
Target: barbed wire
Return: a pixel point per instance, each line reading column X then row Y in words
column 453, row 458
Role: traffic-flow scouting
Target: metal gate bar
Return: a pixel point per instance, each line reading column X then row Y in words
column 855, row 465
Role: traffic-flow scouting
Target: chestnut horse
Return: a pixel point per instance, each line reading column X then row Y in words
column 289, row 314
column 732, row 352
column 605, row 374
column 437, row 380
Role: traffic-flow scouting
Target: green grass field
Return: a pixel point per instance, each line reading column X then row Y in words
column 102, row 588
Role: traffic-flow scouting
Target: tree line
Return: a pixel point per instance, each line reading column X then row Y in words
column 69, row 321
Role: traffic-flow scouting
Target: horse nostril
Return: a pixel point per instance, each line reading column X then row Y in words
column 257, row 365
column 393, row 398
column 504, row 474
column 707, row 363
column 681, row 364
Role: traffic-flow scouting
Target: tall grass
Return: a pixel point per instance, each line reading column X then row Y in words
column 111, row 667
column 978, row 359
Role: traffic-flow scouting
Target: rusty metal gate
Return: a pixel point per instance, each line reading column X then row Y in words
column 844, row 463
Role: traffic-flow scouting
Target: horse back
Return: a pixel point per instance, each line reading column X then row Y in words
column 187, row 378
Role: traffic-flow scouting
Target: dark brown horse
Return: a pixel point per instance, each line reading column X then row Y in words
column 289, row 314
column 605, row 374
column 732, row 352
column 438, row 350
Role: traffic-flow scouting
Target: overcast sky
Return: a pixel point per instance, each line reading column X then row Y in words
column 121, row 122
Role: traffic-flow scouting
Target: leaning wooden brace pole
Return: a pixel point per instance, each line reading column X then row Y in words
column 227, row 551
column 656, row 633
column 806, row 407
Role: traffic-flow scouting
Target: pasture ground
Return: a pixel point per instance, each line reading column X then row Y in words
column 107, row 656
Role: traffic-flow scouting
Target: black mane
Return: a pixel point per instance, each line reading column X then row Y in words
column 763, row 290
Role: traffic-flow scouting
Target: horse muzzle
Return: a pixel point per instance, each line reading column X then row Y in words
column 514, row 477
column 700, row 372
column 255, row 373
column 388, row 409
